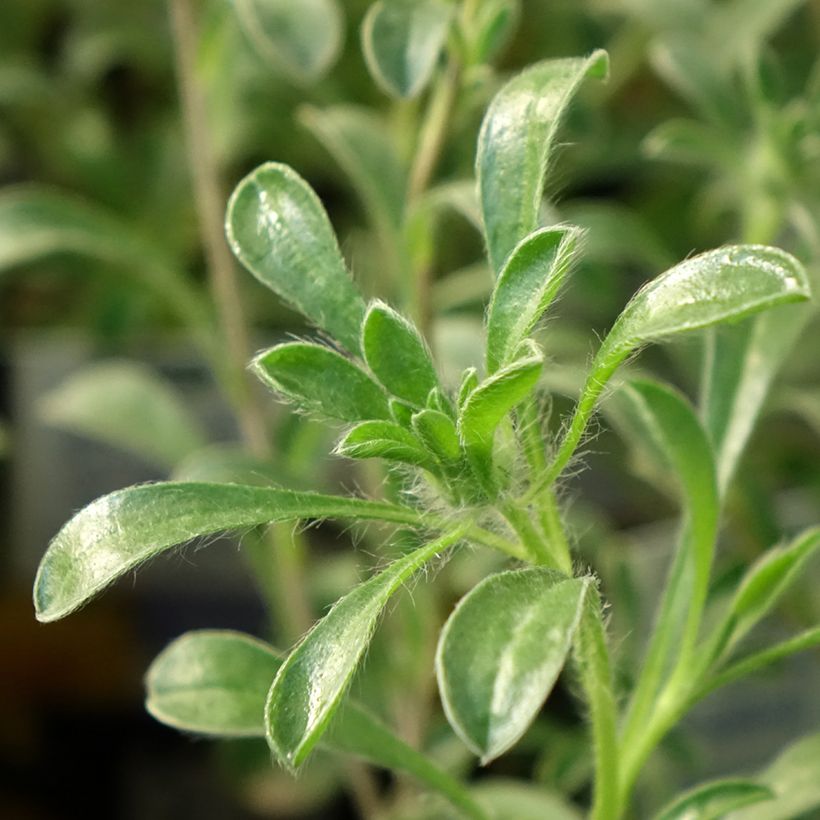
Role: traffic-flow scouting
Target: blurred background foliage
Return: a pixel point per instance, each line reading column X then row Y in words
column 707, row 132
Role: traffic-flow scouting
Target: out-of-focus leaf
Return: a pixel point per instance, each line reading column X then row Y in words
column 280, row 232
column 711, row 801
column 524, row 801
column 402, row 41
column 357, row 140
column 525, row 289
column 397, row 355
column 311, row 683
column 487, row 405
column 229, row 464
column 299, row 37
column 383, row 439
column 514, row 147
column 119, row 531
column 501, row 652
column 322, row 381
column 490, row 27
column 128, row 406
column 740, row 366
column 215, row 683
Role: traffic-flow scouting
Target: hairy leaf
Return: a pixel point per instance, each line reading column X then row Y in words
column 117, row 532
column 402, row 41
column 321, row 380
column 515, row 143
column 439, row 435
column 279, row 230
column 312, row 681
column 383, row 439
column 501, row 652
column 526, row 287
column 711, row 801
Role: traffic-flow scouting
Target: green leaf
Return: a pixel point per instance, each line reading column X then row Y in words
column 490, row 27
column 302, row 38
column 526, row 287
column 764, row 585
column 229, row 464
column 383, row 439
column 279, row 230
column 501, row 652
column 402, row 41
column 794, row 777
column 515, row 143
column 717, row 286
column 397, row 355
column 119, row 531
column 711, row 801
column 128, row 406
column 469, row 382
column 739, row 368
column 312, row 681
column 215, row 683
column 488, row 404
column 358, row 141
column 322, row 381
column 505, row 797
column 438, row 433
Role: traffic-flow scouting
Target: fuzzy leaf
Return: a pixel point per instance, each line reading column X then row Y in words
column 438, row 433
column 279, row 230
column 125, row 405
column 119, row 531
column 515, row 143
column 501, row 652
column 321, row 380
column 302, row 38
column 397, row 355
column 526, row 287
column 488, row 404
column 711, row 801
column 402, row 41
column 383, row 439
column 311, row 683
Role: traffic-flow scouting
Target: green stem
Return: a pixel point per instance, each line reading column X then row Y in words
column 538, row 550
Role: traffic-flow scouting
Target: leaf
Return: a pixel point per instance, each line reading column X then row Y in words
column 302, row 38
column 322, row 381
column 740, row 366
column 524, row 801
column 279, row 230
column 515, row 143
column 526, row 287
column 764, row 585
column 230, row 464
column 491, row 25
column 794, row 777
column 438, row 433
column 402, row 41
column 312, row 681
column 383, row 439
column 488, row 404
column 713, row 800
column 358, row 141
column 397, row 355
column 501, row 652
column 717, row 286
column 215, row 683
column 119, row 531
column 125, row 405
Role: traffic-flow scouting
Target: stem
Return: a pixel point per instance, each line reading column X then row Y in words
column 538, row 550
column 208, row 201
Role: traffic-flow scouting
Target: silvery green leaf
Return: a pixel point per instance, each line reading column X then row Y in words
column 383, row 439
column 712, row 801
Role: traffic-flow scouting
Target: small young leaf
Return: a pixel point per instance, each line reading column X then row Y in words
column 526, row 286
column 312, row 681
column 397, row 355
column 215, row 683
column 469, row 382
column 359, row 142
column 401, row 413
column 488, row 404
column 117, row 532
column 515, row 143
column 402, row 41
column 279, row 230
column 501, row 652
column 711, row 801
column 438, row 433
column 383, row 439
column 321, row 380
column 300, row 38
column 490, row 27
column 126, row 405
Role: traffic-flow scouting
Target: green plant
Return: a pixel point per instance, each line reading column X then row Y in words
column 472, row 462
